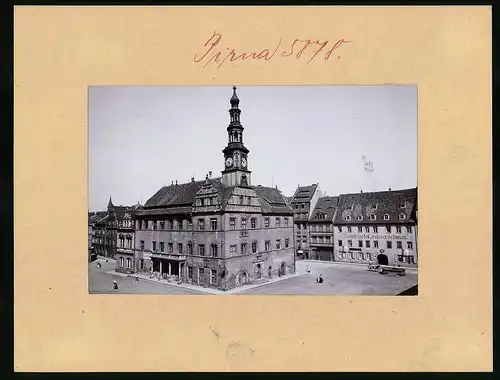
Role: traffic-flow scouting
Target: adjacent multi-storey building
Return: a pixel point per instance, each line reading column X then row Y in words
column 220, row 232
column 105, row 225
column 125, row 241
column 321, row 229
column 378, row 226
column 303, row 203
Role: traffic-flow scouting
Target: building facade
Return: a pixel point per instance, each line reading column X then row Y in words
column 303, row 203
column 377, row 227
column 219, row 232
column 321, row 229
column 125, row 241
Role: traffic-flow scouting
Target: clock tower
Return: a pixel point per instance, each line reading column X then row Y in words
column 235, row 171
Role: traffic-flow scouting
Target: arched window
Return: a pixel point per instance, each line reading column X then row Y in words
column 121, row 262
column 129, row 263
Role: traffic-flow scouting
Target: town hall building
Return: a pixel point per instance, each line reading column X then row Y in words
column 219, row 232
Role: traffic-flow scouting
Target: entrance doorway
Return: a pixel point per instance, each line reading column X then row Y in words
column 201, row 276
column 282, row 269
column 258, row 271
column 382, row 259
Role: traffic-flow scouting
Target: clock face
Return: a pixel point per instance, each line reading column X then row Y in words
column 244, row 162
column 229, row 161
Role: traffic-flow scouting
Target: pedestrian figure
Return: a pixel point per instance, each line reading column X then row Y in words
column 320, row 279
column 307, row 269
column 137, row 278
column 115, row 285
column 98, row 265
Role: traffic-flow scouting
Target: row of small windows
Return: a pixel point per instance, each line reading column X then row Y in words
column 214, row 225
column 399, row 229
column 321, row 239
column 402, row 216
column 214, row 248
column 254, row 247
column 375, row 206
column 399, row 244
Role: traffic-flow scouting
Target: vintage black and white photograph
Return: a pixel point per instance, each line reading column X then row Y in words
column 252, row 190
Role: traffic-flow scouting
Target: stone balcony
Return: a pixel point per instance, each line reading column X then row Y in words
column 168, row 256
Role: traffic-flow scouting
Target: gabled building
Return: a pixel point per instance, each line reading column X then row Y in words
column 377, row 226
column 303, row 203
column 220, row 232
column 321, row 229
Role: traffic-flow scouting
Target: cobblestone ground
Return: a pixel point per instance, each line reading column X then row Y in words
column 341, row 279
column 101, row 282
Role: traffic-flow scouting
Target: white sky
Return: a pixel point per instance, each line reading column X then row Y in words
column 142, row 138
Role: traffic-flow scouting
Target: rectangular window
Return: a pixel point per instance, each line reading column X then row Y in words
column 267, row 245
column 141, row 264
column 213, row 276
column 349, row 229
column 189, row 225
column 162, row 246
column 278, row 243
column 162, row 225
column 232, row 250
column 243, row 248
column 243, row 223
column 409, row 229
column 375, row 229
column 254, row 247
column 398, row 229
column 314, row 239
column 287, row 242
column 411, row 259
column 339, row 228
column 213, row 224
column 367, row 243
column 190, row 272
column 213, row 248
column 410, row 245
column 367, row 229
column 266, row 222
column 142, row 244
column 388, row 228
column 375, row 244
column 154, row 246
column 155, row 225
column 190, row 248
column 201, row 224
column 399, row 245
column 253, row 222
column 170, row 247
column 360, row 243
column 278, row 221
column 340, row 243
column 349, row 243
column 286, row 222
column 389, row 244
column 232, row 223
column 201, row 274
column 179, row 247
column 201, row 249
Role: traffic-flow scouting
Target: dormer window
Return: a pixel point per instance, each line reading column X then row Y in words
column 373, row 217
column 375, row 206
column 386, row 216
column 359, row 217
column 402, row 216
column 347, row 217
column 402, row 204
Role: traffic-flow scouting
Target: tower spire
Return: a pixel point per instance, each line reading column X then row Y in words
column 235, row 101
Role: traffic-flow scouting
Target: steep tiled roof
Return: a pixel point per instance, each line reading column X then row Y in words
column 325, row 206
column 272, row 201
column 177, row 195
column 362, row 205
column 165, row 211
column 304, row 193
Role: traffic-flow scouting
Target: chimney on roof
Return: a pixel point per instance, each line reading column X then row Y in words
column 192, row 179
column 175, row 182
column 172, row 183
column 390, row 189
column 210, row 174
column 361, row 191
